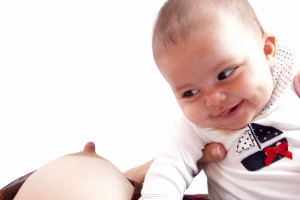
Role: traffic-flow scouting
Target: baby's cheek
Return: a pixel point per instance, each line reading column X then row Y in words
column 188, row 110
column 197, row 115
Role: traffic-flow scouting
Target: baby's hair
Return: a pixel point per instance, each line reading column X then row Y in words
column 177, row 18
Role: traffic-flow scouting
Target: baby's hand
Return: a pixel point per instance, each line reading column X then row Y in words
column 297, row 83
column 213, row 152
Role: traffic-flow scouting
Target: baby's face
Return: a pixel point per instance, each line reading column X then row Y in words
column 221, row 75
column 83, row 175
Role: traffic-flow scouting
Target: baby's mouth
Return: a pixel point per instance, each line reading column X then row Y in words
column 227, row 112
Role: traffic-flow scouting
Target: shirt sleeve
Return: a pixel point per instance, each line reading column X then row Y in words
column 174, row 168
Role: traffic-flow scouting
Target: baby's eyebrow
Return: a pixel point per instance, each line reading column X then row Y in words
column 226, row 61
column 181, row 89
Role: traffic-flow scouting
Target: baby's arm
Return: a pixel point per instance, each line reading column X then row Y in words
column 175, row 167
column 212, row 152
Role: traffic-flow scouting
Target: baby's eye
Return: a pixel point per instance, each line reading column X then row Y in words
column 226, row 73
column 189, row 93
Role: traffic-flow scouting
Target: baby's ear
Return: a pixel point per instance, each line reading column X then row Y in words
column 270, row 48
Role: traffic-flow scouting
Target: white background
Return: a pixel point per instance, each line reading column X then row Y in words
column 73, row 71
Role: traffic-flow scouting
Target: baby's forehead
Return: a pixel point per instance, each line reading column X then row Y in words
column 212, row 28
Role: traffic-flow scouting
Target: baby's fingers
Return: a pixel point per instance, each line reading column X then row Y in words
column 297, row 83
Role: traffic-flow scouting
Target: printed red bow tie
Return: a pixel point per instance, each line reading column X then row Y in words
column 272, row 152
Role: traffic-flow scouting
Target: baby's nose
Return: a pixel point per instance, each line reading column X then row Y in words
column 214, row 98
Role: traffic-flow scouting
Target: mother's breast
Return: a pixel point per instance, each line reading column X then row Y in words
column 83, row 175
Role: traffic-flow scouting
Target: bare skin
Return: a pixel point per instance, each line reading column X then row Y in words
column 83, row 175
column 86, row 175
column 297, row 84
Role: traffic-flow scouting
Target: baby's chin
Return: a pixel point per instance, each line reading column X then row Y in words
column 231, row 126
column 76, row 176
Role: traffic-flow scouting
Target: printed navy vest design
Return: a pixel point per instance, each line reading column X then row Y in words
column 256, row 135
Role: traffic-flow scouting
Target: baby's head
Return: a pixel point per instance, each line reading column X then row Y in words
column 217, row 59
column 177, row 19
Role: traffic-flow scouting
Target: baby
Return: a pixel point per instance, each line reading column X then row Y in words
column 233, row 83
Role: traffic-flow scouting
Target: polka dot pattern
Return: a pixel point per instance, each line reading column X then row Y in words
column 245, row 142
column 282, row 73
